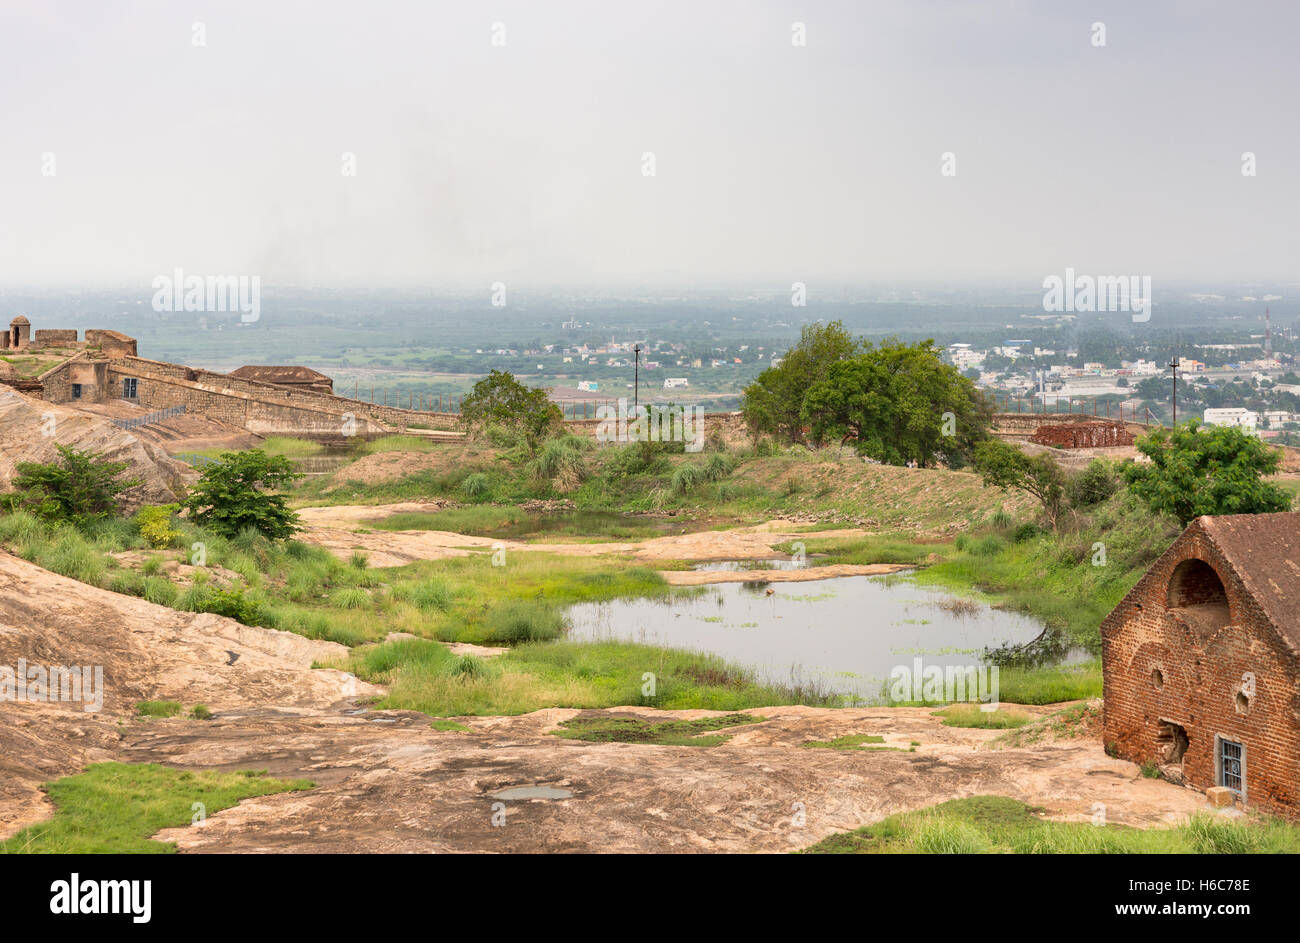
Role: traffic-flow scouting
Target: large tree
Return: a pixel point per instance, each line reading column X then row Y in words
column 773, row 403
column 1197, row 470
column 899, row 403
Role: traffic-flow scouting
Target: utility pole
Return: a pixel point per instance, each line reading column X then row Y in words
column 1173, row 366
column 636, row 377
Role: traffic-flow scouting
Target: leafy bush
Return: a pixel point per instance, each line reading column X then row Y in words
column 231, row 603
column 78, row 488
column 1093, row 485
column 155, row 523
column 234, row 495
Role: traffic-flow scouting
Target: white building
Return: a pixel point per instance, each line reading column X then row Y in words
column 676, row 383
column 1232, row 416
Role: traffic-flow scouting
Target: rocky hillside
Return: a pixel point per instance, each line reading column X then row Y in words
column 31, row 428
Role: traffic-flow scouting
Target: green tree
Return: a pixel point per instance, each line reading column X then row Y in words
column 1004, row 466
column 77, row 488
column 899, row 403
column 502, row 402
column 1197, row 470
column 238, row 493
column 773, row 403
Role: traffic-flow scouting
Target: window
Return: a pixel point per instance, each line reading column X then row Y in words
column 76, row 391
column 129, row 387
column 1232, row 766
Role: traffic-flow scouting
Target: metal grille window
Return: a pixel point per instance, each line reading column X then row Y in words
column 1232, row 766
column 128, row 387
column 76, row 391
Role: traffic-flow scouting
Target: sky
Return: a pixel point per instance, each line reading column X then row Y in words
column 507, row 141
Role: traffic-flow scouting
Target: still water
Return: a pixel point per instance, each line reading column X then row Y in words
column 844, row 634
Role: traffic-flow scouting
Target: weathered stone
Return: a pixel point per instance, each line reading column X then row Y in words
column 1220, row 796
column 30, row 430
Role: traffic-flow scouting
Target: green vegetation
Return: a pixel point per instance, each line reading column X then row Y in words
column 501, row 403
column 155, row 524
column 159, row 708
column 1065, row 724
column 1209, row 470
column 1004, row 466
column 237, row 495
column 78, row 488
column 589, row 675
column 625, row 728
column 897, row 403
column 853, row 741
column 970, row 715
column 113, row 808
column 999, row 825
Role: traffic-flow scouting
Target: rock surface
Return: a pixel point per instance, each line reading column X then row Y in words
column 31, row 428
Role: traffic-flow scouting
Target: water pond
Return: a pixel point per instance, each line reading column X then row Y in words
column 844, row 634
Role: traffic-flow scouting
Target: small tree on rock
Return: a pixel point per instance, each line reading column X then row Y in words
column 238, row 493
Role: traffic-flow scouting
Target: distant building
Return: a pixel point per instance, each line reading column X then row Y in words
column 1232, row 416
column 295, row 378
column 676, row 383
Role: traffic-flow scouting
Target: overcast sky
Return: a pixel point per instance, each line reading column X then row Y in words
column 523, row 162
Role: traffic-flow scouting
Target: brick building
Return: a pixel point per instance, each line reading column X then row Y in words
column 1201, row 660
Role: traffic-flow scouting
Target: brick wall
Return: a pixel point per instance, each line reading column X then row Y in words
column 1082, row 435
column 1202, row 664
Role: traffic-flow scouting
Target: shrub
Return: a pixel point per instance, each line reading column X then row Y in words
column 201, row 712
column 231, row 603
column 155, row 523
column 561, row 461
column 235, row 495
column 158, row 708
column 476, row 485
column 1027, row 531
column 1093, row 485
column 79, row 487
column 717, row 466
column 687, row 478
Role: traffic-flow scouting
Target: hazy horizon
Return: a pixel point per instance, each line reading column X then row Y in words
column 522, row 163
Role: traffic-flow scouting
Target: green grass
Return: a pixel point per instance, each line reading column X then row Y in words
column 614, row 728
column 159, row 708
column 1052, row 576
column 113, row 808
column 853, row 741
column 999, row 825
column 422, row 676
column 970, row 715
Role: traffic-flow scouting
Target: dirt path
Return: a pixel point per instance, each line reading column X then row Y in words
column 334, row 528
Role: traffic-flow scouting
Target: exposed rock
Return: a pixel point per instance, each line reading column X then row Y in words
column 1220, row 796
column 30, row 429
